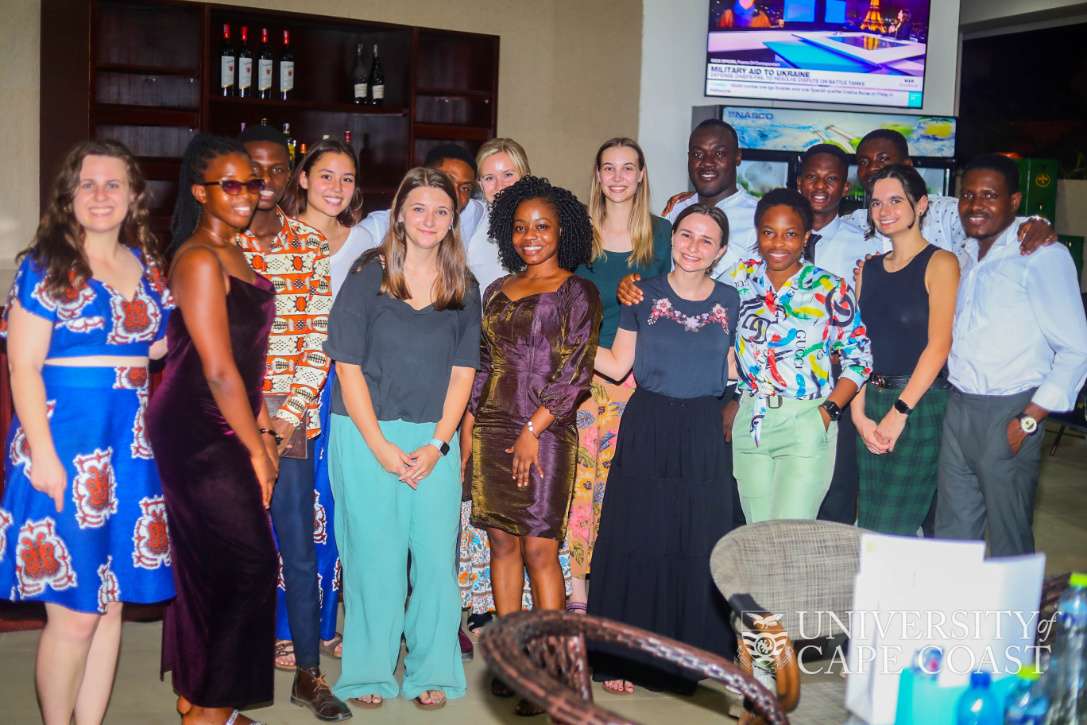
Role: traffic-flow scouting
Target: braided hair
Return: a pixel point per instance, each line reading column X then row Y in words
column 575, row 229
column 202, row 149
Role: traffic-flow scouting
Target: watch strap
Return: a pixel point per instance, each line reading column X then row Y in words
column 902, row 407
column 832, row 409
column 441, row 445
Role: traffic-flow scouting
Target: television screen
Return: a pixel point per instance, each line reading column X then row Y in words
column 759, row 177
column 867, row 52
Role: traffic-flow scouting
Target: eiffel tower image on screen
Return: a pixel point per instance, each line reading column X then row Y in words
column 873, row 19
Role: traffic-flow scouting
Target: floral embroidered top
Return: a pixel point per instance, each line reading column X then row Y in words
column 298, row 266
column 94, row 319
column 682, row 347
column 786, row 337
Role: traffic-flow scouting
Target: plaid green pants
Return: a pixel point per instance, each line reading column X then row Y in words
column 896, row 488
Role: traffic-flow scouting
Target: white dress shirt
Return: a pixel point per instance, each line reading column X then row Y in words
column 483, row 255
column 357, row 242
column 1019, row 324
column 941, row 226
column 377, row 222
column 841, row 245
column 740, row 210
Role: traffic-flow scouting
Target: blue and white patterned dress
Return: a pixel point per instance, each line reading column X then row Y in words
column 110, row 542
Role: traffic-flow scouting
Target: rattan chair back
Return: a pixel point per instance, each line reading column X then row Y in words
column 542, row 656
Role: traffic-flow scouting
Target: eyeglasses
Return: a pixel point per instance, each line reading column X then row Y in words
column 234, row 187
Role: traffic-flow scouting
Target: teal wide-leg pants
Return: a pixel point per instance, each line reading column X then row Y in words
column 379, row 520
column 787, row 475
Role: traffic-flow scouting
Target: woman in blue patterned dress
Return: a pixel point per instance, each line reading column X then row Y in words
column 82, row 521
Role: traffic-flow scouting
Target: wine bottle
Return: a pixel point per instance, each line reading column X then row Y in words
column 358, row 79
column 286, row 69
column 264, row 67
column 226, row 64
column 290, row 142
column 347, row 137
column 245, row 66
column 376, row 81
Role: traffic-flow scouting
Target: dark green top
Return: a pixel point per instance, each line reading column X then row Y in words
column 608, row 271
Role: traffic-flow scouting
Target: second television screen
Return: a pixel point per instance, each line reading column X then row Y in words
column 863, row 52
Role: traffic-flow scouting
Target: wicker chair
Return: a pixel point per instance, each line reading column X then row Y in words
column 542, row 656
column 770, row 572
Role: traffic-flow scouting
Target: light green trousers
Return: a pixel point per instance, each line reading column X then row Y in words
column 378, row 521
column 787, row 475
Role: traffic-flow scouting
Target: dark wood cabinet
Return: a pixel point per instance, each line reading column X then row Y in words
column 146, row 73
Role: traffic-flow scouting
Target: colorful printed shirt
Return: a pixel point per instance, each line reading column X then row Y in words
column 93, row 318
column 785, row 338
column 298, row 266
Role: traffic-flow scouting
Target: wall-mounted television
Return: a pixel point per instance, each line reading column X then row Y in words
column 864, row 52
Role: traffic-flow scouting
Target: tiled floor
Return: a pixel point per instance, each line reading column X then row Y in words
column 139, row 698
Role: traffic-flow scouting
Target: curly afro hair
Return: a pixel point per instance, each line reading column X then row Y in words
column 576, row 231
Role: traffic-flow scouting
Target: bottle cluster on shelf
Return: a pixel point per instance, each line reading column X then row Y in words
column 297, row 150
column 367, row 88
column 236, row 71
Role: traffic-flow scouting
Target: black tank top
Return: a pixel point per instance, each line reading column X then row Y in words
column 894, row 309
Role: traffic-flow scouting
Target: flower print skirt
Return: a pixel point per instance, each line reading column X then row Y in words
column 669, row 500
column 597, row 428
column 110, row 542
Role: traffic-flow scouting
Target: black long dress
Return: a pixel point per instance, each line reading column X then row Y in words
column 670, row 490
column 219, row 634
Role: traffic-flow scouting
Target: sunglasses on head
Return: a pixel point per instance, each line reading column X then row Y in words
column 234, row 187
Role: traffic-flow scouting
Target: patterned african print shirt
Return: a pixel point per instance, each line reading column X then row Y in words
column 298, row 267
column 785, row 338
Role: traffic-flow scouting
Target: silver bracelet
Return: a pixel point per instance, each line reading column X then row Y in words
column 532, row 429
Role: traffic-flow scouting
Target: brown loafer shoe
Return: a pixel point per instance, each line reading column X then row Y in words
column 311, row 691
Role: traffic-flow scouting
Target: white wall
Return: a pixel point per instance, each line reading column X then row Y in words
column 673, row 72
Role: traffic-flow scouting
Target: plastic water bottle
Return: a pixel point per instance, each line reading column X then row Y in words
column 925, row 666
column 978, row 705
column 1069, row 705
column 1028, row 701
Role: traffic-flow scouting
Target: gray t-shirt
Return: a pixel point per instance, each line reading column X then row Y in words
column 406, row 355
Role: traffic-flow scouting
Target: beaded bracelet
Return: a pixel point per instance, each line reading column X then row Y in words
column 279, row 438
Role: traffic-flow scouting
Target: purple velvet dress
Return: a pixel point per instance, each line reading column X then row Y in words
column 219, row 634
column 538, row 350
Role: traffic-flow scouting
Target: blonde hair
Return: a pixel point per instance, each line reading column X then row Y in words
column 510, row 148
column 451, row 284
column 641, row 221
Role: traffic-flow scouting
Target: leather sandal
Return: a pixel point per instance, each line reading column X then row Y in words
column 329, row 648
column 359, row 702
column 525, row 708
column 284, row 648
column 429, row 705
column 499, row 689
column 234, row 716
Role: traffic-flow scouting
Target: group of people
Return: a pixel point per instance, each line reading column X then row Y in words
column 497, row 403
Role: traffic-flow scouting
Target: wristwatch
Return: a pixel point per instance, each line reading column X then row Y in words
column 833, row 411
column 441, row 445
column 901, row 407
column 1027, row 424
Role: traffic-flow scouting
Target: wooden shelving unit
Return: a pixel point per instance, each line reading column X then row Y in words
column 145, row 72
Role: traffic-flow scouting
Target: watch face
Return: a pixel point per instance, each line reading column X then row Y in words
column 1027, row 424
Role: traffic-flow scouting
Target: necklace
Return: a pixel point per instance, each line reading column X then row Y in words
column 212, row 234
column 416, row 281
column 899, row 267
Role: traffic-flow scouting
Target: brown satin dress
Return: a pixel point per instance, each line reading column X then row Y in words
column 538, row 350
